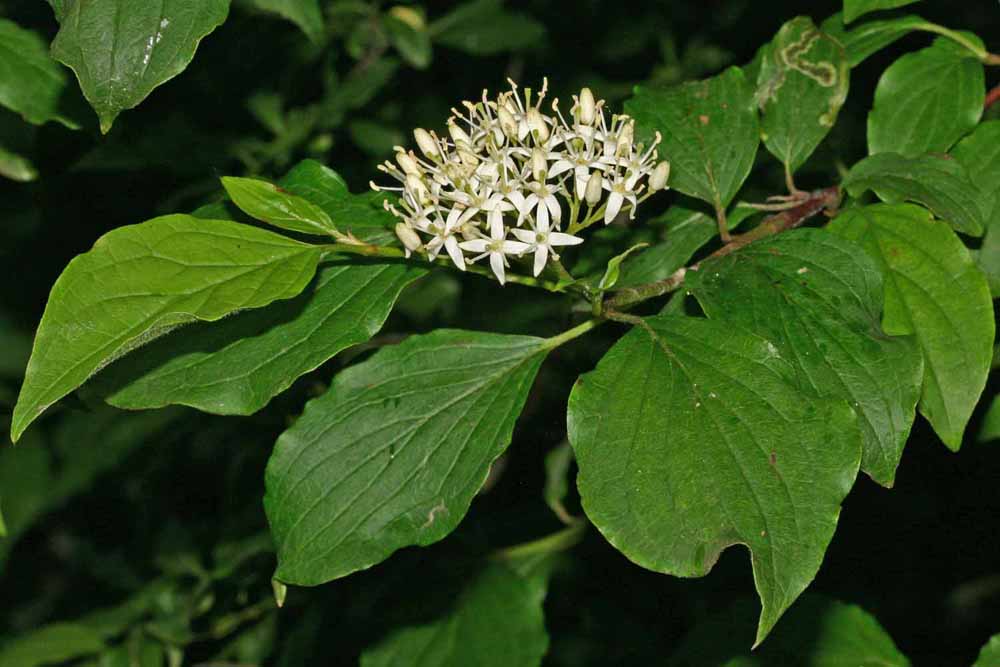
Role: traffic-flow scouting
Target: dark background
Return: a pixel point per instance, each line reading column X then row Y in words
column 924, row 557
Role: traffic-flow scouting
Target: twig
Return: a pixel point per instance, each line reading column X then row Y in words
column 992, row 97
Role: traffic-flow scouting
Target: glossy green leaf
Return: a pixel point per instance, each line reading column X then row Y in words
column 989, row 656
column 865, row 39
column 31, row 82
column 818, row 298
column 938, row 182
column 236, row 365
column 926, row 101
column 691, row 435
column 393, row 453
column 816, row 632
column 485, row 27
column 496, row 621
column 140, row 281
column 710, row 133
column 802, row 85
column 979, row 153
column 854, row 9
column 306, row 14
column 411, row 40
column 121, row 50
column 51, row 644
column 933, row 290
column 276, row 206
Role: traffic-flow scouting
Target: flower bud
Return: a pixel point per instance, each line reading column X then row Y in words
column 426, row 143
column 507, row 123
column 407, row 163
column 658, row 179
column 626, row 135
column 536, row 124
column 539, row 165
column 418, row 189
column 458, row 135
column 593, row 191
column 587, row 107
column 408, row 237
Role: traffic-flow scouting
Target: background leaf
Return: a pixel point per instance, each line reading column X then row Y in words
column 719, row 447
column 926, row 101
column 979, row 153
column 935, row 291
column 497, row 620
column 803, row 83
column 55, row 643
column 819, row 300
column 854, row 9
column 485, row 27
column 121, row 50
column 936, row 181
column 393, row 453
column 31, row 82
column 710, row 133
column 140, row 281
column 306, row 14
column 990, row 655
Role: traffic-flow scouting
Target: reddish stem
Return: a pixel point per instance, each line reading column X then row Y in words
column 992, row 97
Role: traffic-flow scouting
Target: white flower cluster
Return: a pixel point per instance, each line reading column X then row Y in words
column 504, row 171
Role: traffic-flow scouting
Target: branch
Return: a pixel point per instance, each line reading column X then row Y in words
column 827, row 199
column 992, row 98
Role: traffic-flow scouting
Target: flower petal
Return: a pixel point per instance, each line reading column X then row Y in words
column 541, row 257
column 526, row 235
column 496, row 263
column 553, row 205
column 558, row 238
column 615, row 200
column 475, row 245
column 451, row 245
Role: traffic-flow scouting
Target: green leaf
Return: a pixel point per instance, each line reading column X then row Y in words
column 613, row 270
column 557, row 464
column 276, row 206
column 16, row 167
column 979, row 153
column 854, row 9
column 926, row 101
column 937, row 181
column 140, row 281
column 497, row 621
column 393, row 453
column 31, row 82
column 3, row 524
column 802, row 85
column 710, row 133
column 691, row 436
column 989, row 656
column 236, row 365
column 410, row 39
column 816, row 632
column 990, row 428
column 306, row 14
column 863, row 40
column 121, row 50
column 818, row 298
column 56, row 643
column 484, row 27
column 935, row 291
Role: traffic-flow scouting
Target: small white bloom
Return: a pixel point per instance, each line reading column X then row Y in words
column 497, row 247
column 541, row 240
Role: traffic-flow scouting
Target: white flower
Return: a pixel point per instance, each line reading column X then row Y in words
column 541, row 240
column 497, row 247
column 444, row 236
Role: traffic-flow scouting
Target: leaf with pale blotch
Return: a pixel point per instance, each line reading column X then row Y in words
column 818, row 298
column 121, row 50
column 306, row 14
column 236, row 365
column 393, row 453
column 267, row 202
column 803, row 83
column 710, row 133
column 854, row 9
column 692, row 435
column 31, row 82
column 496, row 621
column 938, row 182
column 816, row 632
column 927, row 100
column 979, row 153
column 140, row 281
column 935, row 291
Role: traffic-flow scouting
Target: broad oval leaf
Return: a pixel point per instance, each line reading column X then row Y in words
column 803, row 83
column 818, row 298
column 31, row 82
column 869, row 37
column 393, row 453
column 140, row 281
column 57, row 643
column 691, row 436
column 710, row 133
column 237, row 365
column 979, row 153
column 926, row 101
column 497, row 621
column 935, row 291
column 937, row 181
column 121, row 50
column 854, row 9
column 276, row 206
